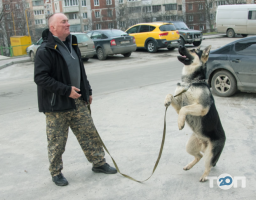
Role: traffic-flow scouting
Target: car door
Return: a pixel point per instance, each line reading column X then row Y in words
column 97, row 37
column 243, row 61
column 134, row 32
column 85, row 44
column 143, row 34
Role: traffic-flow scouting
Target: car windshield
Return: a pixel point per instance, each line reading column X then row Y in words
column 180, row 25
column 114, row 33
column 167, row 27
column 81, row 38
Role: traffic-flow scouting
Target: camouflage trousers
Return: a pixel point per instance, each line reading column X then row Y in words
column 81, row 123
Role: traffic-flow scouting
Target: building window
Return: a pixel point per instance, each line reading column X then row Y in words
column 8, row 16
column 201, row 27
column 200, row 6
column 10, row 25
column 109, row 2
column 110, row 13
column 179, row 7
column 18, row 15
column 170, row 7
column 17, row 6
column 156, row 8
column 110, row 25
column 211, row 17
column 121, row 1
column 85, row 15
column 97, row 14
column 7, row 6
column 190, row 18
column 201, row 17
column 210, row 5
column 38, row 3
column 84, row 3
column 147, row 9
column 38, row 21
column 191, row 27
column 134, row 9
column 190, row 6
column 98, row 26
column 38, row 12
column 70, row 3
column 86, row 27
column 56, row 6
column 122, row 24
column 96, row 3
column 72, row 16
column 19, row 25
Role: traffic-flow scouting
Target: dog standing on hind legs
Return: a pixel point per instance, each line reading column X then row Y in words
column 196, row 106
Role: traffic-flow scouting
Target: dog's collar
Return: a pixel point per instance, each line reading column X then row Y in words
column 198, row 81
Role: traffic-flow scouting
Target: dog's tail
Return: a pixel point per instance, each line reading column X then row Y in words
column 217, row 150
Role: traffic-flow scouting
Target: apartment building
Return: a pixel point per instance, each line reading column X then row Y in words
column 14, row 21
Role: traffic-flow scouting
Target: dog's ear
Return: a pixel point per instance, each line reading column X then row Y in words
column 205, row 54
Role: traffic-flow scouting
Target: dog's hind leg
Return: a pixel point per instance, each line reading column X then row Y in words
column 193, row 147
column 208, row 155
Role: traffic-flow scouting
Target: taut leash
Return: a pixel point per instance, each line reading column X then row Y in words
column 160, row 152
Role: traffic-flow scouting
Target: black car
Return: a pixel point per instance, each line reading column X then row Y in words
column 233, row 67
column 112, row 41
column 187, row 35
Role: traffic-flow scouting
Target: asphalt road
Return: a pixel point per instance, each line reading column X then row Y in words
column 128, row 112
column 18, row 91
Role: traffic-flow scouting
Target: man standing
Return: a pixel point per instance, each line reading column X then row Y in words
column 63, row 92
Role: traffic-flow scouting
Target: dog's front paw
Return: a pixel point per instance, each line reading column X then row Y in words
column 168, row 100
column 181, row 122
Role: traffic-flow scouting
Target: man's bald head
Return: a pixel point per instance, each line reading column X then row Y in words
column 59, row 26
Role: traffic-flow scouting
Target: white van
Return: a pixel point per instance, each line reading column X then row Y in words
column 236, row 19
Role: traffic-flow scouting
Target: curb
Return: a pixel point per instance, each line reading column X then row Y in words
column 14, row 62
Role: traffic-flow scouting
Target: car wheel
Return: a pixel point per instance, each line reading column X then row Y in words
column 100, row 54
column 223, row 84
column 244, row 35
column 151, row 47
column 32, row 56
column 196, row 44
column 182, row 42
column 230, row 33
column 127, row 54
column 170, row 48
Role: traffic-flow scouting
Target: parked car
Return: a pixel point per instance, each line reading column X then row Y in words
column 187, row 36
column 233, row 67
column 236, row 19
column 155, row 35
column 85, row 44
column 112, row 41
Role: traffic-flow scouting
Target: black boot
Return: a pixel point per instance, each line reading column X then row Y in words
column 105, row 169
column 60, row 180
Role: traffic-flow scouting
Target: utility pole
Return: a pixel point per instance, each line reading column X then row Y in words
column 80, row 15
column 27, row 21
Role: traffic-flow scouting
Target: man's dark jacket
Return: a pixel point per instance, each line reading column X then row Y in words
column 52, row 77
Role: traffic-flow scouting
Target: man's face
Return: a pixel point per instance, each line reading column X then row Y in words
column 61, row 27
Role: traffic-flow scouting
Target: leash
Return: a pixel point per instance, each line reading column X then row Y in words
column 160, row 152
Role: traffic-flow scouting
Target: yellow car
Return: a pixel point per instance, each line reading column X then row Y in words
column 155, row 35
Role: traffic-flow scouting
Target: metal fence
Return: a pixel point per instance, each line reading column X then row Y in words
column 12, row 51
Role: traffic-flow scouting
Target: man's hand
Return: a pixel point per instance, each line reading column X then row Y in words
column 74, row 94
column 90, row 99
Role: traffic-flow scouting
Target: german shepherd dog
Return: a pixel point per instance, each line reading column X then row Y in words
column 196, row 106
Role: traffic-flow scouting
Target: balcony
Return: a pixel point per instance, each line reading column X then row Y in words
column 74, row 21
column 70, row 9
